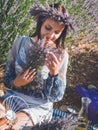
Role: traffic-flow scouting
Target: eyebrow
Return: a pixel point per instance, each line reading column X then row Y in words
column 52, row 27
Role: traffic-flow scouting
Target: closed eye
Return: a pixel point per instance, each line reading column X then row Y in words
column 57, row 32
column 48, row 28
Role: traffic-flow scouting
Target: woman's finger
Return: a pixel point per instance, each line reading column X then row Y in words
column 53, row 64
column 31, row 73
column 26, row 73
column 51, row 56
column 32, row 78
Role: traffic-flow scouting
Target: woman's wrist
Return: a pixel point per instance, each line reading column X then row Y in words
column 53, row 75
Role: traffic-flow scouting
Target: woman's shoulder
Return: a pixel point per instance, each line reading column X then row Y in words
column 22, row 37
column 22, row 40
column 65, row 53
column 65, row 57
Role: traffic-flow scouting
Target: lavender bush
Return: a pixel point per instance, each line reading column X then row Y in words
column 85, row 19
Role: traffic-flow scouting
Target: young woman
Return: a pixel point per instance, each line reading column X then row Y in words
column 40, row 88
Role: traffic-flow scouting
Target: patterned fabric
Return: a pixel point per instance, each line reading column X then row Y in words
column 59, row 114
column 51, row 88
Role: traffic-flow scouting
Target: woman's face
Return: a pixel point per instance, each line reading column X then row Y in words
column 51, row 30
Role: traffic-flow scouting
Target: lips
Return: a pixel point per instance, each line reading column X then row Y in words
column 48, row 38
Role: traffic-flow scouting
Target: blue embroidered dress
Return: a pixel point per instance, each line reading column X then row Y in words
column 49, row 90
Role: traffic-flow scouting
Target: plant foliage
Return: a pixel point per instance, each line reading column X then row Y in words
column 14, row 21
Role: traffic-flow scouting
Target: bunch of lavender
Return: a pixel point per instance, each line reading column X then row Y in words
column 36, row 59
column 36, row 55
column 59, row 124
column 49, row 11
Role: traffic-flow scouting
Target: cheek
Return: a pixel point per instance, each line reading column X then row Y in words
column 43, row 32
column 57, row 36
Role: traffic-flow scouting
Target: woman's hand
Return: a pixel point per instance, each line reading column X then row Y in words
column 25, row 78
column 53, row 63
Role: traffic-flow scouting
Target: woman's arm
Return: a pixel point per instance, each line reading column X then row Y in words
column 53, row 88
column 55, row 85
column 9, row 74
column 15, row 76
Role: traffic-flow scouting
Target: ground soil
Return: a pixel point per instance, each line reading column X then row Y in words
column 82, row 70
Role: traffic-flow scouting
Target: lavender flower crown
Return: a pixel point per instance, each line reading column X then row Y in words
column 51, row 12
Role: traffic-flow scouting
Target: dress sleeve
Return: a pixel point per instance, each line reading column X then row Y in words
column 54, row 88
column 9, row 73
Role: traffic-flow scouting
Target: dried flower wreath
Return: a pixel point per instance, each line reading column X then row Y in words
column 59, row 13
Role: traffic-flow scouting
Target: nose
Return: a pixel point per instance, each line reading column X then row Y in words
column 51, row 34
